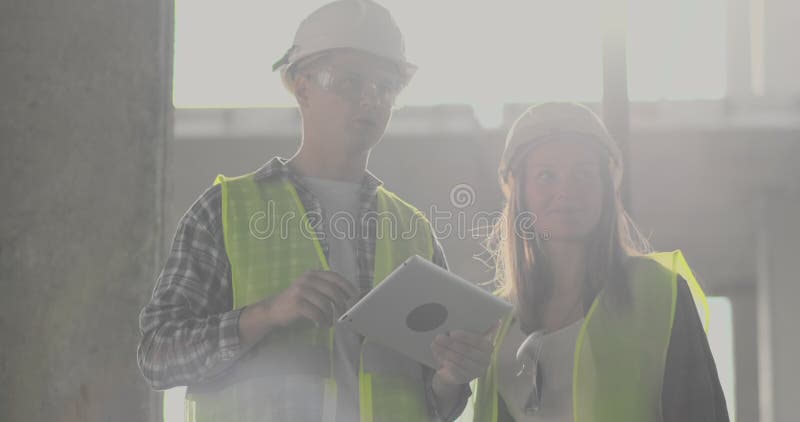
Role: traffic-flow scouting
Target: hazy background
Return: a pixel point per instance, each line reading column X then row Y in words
column 101, row 156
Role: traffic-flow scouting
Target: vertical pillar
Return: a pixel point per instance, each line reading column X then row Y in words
column 85, row 114
column 616, row 107
column 778, row 291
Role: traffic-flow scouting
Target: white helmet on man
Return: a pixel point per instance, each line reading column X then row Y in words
column 362, row 25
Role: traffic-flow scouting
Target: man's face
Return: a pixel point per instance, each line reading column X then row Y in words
column 348, row 96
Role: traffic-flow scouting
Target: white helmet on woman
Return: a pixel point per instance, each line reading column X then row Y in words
column 555, row 121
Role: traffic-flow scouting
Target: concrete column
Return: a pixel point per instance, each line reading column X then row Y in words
column 777, row 295
column 84, row 119
column 745, row 350
column 616, row 105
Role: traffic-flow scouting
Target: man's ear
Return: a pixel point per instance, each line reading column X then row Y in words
column 300, row 90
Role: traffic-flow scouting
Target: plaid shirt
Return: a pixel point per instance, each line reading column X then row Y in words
column 190, row 333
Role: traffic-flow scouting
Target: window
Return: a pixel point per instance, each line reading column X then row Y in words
column 467, row 52
column 676, row 49
column 173, row 405
column 479, row 53
column 720, row 340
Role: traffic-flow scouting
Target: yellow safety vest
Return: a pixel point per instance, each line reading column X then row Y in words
column 270, row 242
column 620, row 354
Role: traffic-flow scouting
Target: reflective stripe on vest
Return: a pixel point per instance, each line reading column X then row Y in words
column 270, row 242
column 620, row 354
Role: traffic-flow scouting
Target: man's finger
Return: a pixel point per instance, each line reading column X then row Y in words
column 492, row 331
column 437, row 353
column 448, row 360
column 336, row 279
column 332, row 292
column 319, row 300
column 456, row 351
column 313, row 312
column 480, row 354
column 468, row 372
column 449, row 376
column 459, row 371
column 480, row 342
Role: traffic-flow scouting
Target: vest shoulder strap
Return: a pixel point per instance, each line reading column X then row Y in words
column 400, row 202
column 675, row 262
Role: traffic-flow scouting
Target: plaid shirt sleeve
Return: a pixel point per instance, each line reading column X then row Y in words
column 189, row 332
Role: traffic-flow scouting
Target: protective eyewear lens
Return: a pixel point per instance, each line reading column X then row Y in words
column 353, row 85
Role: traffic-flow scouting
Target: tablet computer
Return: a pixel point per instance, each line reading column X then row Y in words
column 416, row 302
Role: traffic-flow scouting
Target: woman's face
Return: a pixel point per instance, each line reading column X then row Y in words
column 562, row 186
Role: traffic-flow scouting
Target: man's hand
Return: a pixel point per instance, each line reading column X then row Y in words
column 462, row 357
column 316, row 295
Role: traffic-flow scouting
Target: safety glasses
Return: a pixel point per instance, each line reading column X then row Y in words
column 353, row 86
column 528, row 356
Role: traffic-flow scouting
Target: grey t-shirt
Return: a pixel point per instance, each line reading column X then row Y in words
column 340, row 202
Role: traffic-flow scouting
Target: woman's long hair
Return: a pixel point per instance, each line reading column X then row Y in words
column 521, row 268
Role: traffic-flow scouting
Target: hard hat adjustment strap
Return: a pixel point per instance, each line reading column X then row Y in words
column 285, row 59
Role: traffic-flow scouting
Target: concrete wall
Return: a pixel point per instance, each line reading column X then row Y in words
column 83, row 123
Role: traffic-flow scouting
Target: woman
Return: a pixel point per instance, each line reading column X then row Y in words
column 601, row 331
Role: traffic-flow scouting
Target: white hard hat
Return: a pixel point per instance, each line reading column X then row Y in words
column 355, row 24
column 552, row 122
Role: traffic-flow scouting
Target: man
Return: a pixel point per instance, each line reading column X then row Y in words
column 243, row 310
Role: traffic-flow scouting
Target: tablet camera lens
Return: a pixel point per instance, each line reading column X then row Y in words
column 426, row 317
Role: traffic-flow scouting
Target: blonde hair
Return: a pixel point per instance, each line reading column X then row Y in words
column 521, row 269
